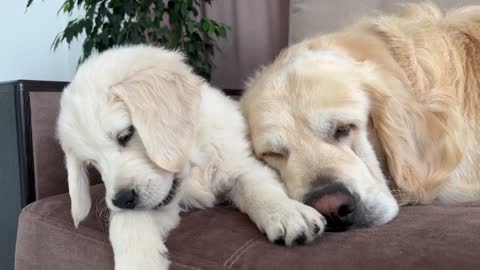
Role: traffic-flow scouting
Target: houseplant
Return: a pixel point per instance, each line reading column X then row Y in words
column 174, row 24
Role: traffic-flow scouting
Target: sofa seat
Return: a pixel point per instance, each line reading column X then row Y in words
column 421, row 237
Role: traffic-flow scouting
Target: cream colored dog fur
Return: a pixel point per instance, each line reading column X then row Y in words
column 390, row 101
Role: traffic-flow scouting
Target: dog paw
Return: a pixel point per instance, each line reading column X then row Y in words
column 291, row 223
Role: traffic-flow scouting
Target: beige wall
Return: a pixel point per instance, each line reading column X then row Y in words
column 311, row 17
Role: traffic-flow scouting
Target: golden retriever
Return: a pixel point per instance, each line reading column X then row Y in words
column 388, row 105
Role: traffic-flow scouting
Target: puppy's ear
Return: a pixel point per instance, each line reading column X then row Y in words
column 78, row 188
column 164, row 106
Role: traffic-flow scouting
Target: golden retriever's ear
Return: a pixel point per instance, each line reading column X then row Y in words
column 164, row 108
column 78, row 188
column 416, row 136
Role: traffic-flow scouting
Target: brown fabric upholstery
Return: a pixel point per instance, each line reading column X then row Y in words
column 50, row 175
column 422, row 237
column 47, row 239
column 47, row 154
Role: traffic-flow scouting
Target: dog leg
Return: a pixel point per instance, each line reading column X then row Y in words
column 137, row 238
column 259, row 193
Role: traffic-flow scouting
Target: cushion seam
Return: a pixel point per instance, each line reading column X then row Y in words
column 64, row 230
column 58, row 220
column 245, row 245
column 243, row 252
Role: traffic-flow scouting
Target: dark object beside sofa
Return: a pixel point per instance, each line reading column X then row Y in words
column 16, row 160
column 421, row 237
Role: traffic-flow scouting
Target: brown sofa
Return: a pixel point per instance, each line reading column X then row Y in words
column 421, row 237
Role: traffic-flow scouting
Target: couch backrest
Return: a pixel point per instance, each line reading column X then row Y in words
column 48, row 164
column 48, row 158
column 311, row 17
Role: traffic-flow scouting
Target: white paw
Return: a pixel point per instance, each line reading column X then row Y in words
column 137, row 239
column 157, row 261
column 290, row 222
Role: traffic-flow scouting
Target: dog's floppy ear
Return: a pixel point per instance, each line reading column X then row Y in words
column 416, row 137
column 78, row 188
column 163, row 105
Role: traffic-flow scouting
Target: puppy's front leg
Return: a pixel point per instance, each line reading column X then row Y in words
column 137, row 238
column 259, row 193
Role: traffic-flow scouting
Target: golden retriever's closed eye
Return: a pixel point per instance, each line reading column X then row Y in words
column 390, row 104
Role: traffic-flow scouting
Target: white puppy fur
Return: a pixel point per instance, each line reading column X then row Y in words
column 150, row 126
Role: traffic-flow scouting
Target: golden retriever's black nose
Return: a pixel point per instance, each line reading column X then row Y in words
column 337, row 205
column 125, row 199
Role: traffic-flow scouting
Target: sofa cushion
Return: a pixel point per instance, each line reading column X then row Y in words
column 421, row 237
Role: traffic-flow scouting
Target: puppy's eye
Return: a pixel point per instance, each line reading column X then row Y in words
column 282, row 153
column 124, row 137
column 343, row 131
column 272, row 155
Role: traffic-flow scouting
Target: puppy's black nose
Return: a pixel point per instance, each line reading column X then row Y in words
column 125, row 199
column 337, row 205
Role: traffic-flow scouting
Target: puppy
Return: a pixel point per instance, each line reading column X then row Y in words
column 162, row 138
column 390, row 102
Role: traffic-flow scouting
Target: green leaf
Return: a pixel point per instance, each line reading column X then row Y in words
column 205, row 25
column 194, row 12
column 59, row 38
column 189, row 27
column 222, row 32
column 88, row 26
column 66, row 7
column 211, row 28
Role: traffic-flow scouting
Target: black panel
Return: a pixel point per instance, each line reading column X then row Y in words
column 10, row 192
column 17, row 183
column 22, row 103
